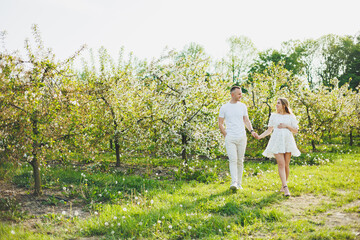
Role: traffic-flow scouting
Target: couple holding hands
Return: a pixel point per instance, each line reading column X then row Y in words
column 281, row 146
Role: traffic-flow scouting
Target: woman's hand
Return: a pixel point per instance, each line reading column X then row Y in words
column 282, row 125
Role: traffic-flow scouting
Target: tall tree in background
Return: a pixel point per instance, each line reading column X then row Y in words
column 241, row 55
column 352, row 71
column 334, row 53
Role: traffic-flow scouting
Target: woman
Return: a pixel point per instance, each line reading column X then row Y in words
column 282, row 143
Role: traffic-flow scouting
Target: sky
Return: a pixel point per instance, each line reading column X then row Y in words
column 146, row 27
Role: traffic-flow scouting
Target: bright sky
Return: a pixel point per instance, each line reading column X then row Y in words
column 146, row 27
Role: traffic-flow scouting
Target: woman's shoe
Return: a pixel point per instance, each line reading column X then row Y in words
column 281, row 189
column 286, row 191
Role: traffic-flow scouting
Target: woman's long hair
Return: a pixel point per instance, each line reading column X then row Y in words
column 286, row 105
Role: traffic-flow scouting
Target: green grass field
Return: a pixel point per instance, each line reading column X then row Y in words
column 158, row 199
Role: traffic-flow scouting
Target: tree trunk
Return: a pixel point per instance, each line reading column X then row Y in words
column 111, row 144
column 351, row 137
column 184, row 145
column 313, row 146
column 36, row 174
column 35, row 161
column 117, row 149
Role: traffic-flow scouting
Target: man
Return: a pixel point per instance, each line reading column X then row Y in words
column 235, row 115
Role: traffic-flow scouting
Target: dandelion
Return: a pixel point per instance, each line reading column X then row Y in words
column 106, row 224
column 140, row 223
column 219, row 230
column 170, row 226
column 209, row 215
column 112, row 232
column 13, row 232
column 228, row 226
column 152, row 201
column 124, row 209
column 163, row 217
column 159, row 221
column 115, row 217
column 63, row 212
column 119, row 192
column 96, row 213
column 118, row 224
column 123, row 217
column 76, row 213
column 189, row 227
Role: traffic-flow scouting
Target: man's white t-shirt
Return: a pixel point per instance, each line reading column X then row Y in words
column 233, row 114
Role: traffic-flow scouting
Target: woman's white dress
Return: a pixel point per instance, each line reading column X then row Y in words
column 282, row 139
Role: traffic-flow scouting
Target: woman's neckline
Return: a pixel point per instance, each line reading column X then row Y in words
column 283, row 114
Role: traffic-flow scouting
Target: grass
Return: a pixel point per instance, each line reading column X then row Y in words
column 192, row 204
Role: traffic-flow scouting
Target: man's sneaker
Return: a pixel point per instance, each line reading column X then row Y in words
column 234, row 187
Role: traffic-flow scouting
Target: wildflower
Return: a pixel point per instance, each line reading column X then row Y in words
column 13, row 232
column 106, row 224
column 115, row 217
column 116, row 182
column 119, row 192
column 124, row 209
column 152, row 201
column 138, row 203
column 209, row 215
column 100, row 195
column 189, row 227
column 63, row 212
column 96, row 213
column 163, row 217
column 136, row 198
column 159, row 221
column 228, row 226
column 76, row 213
column 64, row 188
column 219, row 230
column 181, row 205
column 118, row 224
column 112, row 232
column 170, row 226
column 123, row 217
column 140, row 223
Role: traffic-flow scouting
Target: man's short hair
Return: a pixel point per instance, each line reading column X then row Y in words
column 233, row 88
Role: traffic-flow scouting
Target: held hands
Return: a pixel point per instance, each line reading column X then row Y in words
column 255, row 135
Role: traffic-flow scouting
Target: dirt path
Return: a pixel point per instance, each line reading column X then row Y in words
column 347, row 215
